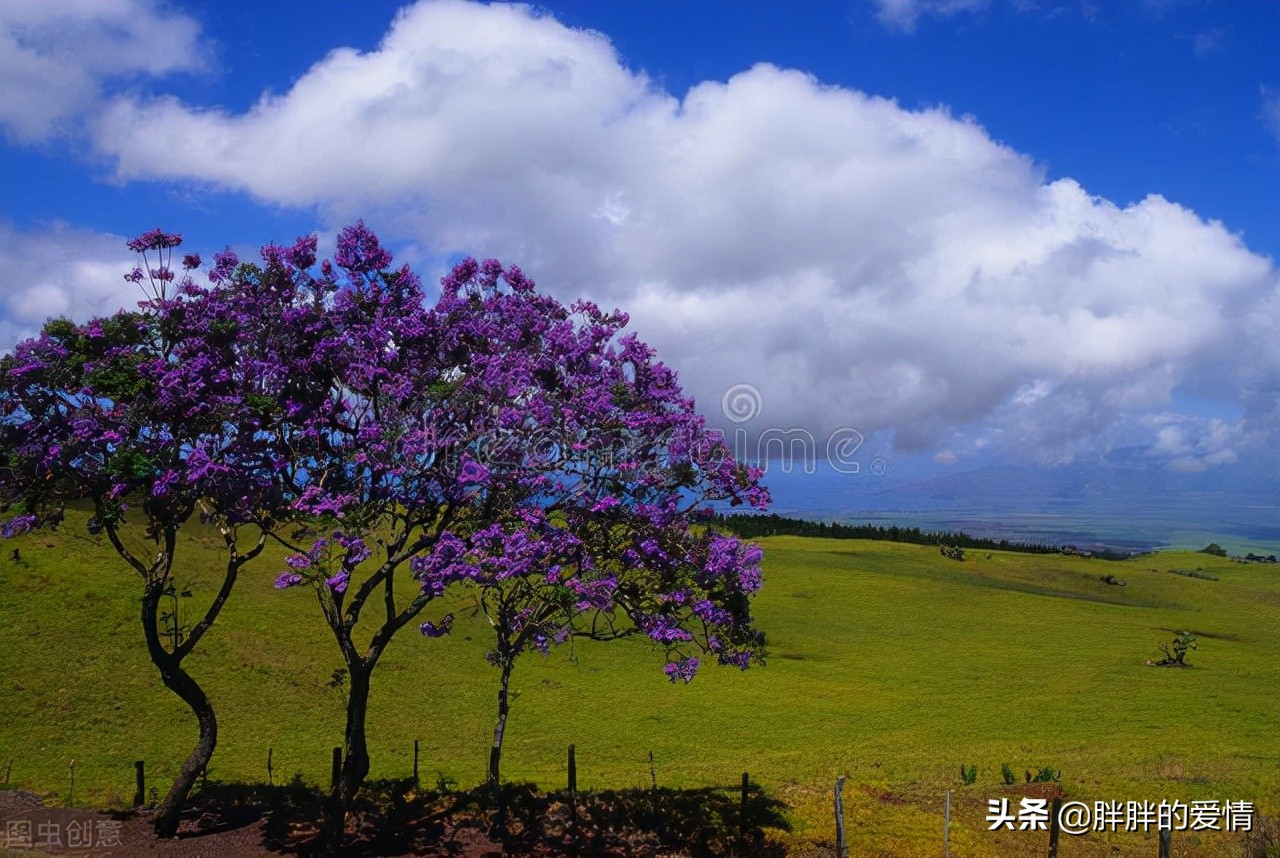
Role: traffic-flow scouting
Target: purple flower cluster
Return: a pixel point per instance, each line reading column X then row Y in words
column 663, row 629
column 682, row 670
column 437, row 630
column 17, row 525
column 156, row 239
column 359, row 251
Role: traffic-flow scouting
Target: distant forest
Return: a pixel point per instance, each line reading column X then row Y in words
column 752, row 526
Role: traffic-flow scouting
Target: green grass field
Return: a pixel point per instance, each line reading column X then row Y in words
column 887, row 663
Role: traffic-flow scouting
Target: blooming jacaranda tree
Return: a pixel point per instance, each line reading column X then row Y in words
column 587, row 498
column 154, row 418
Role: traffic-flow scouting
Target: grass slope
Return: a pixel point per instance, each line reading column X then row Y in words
column 888, row 663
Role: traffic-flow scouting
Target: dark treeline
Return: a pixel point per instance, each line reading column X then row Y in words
column 754, row 526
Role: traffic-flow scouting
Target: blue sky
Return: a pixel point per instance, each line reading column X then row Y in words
column 972, row 230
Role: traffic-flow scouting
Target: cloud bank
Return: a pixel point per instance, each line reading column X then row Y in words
column 55, row 56
column 58, row 270
column 860, row 264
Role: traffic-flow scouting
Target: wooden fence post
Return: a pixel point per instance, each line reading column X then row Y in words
column 337, row 768
column 573, row 771
column 653, row 774
column 270, row 774
column 8, row 770
column 573, row 795
column 1166, row 843
column 140, row 776
column 1054, row 827
column 415, row 763
column 946, row 828
column 71, row 791
column 842, row 850
column 742, row 810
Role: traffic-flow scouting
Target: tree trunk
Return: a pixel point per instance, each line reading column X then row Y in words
column 355, row 758
column 495, row 753
column 499, row 729
column 180, row 682
column 177, row 680
column 355, row 761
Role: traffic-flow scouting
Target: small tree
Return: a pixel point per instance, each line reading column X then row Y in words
column 1175, row 652
column 590, row 489
column 156, row 416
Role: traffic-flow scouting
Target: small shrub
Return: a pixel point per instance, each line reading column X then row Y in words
column 1197, row 572
column 1006, row 772
column 968, row 774
column 1047, row 774
column 1175, row 653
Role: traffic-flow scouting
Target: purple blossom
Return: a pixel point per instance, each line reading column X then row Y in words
column 303, row 253
column 605, row 504
column 17, row 525
column 663, row 630
column 357, row 551
column 437, row 630
column 710, row 613
column 165, row 482
column 682, row 669
column 224, row 265
column 156, row 239
column 472, row 472
column 359, row 250
column 191, row 261
column 288, row 579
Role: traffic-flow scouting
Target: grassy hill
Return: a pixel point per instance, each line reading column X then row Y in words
column 887, row 663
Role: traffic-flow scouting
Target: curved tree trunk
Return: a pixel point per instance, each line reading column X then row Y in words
column 180, row 682
column 157, row 577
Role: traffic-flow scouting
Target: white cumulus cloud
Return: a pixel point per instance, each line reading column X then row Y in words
column 55, row 54
column 860, row 264
column 59, row 270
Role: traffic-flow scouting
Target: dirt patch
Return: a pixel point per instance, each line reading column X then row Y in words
column 884, row 796
column 392, row 819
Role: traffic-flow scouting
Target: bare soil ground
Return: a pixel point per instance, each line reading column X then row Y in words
column 392, row 820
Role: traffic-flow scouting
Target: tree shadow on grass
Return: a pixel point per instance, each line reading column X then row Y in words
column 391, row 817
